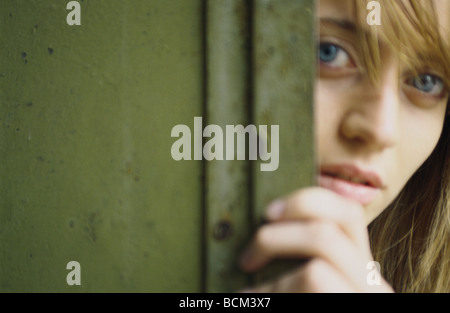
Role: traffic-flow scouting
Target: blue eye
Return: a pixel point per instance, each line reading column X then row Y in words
column 328, row 52
column 334, row 56
column 428, row 84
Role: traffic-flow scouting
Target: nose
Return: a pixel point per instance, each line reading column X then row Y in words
column 373, row 119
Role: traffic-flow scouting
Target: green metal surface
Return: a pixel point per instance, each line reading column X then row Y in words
column 284, row 72
column 227, row 183
column 86, row 173
column 259, row 72
column 86, row 114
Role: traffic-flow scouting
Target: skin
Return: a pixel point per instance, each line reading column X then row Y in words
column 389, row 129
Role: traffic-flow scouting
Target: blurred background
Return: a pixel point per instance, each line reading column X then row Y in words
column 86, row 113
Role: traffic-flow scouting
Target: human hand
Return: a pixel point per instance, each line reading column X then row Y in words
column 323, row 227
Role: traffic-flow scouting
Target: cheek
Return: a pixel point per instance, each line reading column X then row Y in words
column 420, row 135
column 328, row 111
column 324, row 114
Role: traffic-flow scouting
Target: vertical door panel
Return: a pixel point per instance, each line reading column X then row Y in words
column 227, row 186
column 260, row 73
column 284, row 71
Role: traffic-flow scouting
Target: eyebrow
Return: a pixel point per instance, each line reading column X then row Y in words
column 341, row 23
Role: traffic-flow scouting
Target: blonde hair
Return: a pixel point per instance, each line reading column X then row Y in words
column 408, row 27
column 411, row 238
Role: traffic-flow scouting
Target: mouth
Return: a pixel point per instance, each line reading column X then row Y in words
column 351, row 182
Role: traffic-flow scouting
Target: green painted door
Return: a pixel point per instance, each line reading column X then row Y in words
column 86, row 117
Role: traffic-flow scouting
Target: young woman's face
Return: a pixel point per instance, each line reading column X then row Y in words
column 371, row 139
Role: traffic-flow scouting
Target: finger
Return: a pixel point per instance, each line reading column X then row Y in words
column 319, row 203
column 302, row 239
column 316, row 276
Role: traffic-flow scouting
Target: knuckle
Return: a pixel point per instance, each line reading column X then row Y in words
column 325, row 233
column 297, row 201
column 301, row 200
column 262, row 236
column 305, row 194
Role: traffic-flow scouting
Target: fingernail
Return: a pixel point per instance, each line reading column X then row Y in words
column 275, row 209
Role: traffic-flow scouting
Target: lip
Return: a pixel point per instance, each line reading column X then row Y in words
column 351, row 182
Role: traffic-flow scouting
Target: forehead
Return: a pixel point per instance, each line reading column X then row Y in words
column 345, row 10
column 443, row 11
column 342, row 9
